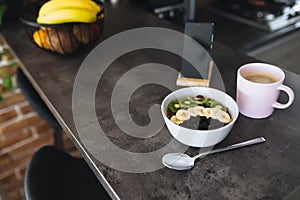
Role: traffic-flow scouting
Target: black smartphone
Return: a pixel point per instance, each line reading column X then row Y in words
column 203, row 34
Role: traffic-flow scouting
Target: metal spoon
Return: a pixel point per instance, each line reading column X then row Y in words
column 181, row 161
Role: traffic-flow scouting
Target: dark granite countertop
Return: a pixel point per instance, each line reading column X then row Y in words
column 265, row 171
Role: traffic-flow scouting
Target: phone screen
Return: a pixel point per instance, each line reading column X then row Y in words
column 203, row 34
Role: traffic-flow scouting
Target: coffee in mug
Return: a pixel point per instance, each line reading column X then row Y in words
column 258, row 77
column 258, row 88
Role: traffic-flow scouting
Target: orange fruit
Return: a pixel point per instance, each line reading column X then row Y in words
column 40, row 37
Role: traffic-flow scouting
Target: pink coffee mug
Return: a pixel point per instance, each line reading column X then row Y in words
column 258, row 88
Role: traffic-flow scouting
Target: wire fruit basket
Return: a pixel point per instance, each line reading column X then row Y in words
column 64, row 38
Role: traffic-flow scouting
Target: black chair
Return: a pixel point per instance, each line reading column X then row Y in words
column 39, row 106
column 54, row 174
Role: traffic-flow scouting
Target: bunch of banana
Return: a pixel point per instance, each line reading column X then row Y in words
column 65, row 11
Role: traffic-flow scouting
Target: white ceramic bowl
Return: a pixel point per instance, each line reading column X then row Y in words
column 200, row 138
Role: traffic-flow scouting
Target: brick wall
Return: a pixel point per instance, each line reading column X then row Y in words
column 22, row 132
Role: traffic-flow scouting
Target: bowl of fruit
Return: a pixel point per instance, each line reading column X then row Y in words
column 63, row 26
column 199, row 116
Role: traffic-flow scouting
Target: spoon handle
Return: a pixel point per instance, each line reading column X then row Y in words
column 234, row 146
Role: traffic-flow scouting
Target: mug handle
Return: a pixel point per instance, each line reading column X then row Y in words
column 291, row 95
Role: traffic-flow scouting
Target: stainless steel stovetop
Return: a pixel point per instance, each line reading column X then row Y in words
column 270, row 15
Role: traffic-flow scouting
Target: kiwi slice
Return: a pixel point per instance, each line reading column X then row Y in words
column 210, row 103
column 173, row 106
column 202, row 101
column 187, row 103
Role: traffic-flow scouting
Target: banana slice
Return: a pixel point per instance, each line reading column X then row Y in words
column 199, row 110
column 218, row 106
column 183, row 115
column 207, row 112
column 175, row 120
column 214, row 112
column 192, row 111
column 223, row 117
